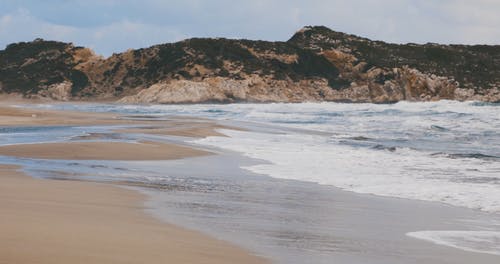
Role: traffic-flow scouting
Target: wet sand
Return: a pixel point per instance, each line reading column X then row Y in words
column 295, row 222
column 185, row 127
column 49, row 221
column 13, row 116
column 182, row 129
column 101, row 151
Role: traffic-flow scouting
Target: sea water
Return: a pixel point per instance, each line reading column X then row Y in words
column 436, row 151
column 447, row 152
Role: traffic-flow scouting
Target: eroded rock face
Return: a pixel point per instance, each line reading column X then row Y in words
column 489, row 95
column 393, row 72
column 58, row 91
column 227, row 90
column 316, row 64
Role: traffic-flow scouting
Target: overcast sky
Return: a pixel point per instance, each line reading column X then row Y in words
column 110, row 26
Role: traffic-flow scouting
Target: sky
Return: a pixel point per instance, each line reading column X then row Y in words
column 109, row 26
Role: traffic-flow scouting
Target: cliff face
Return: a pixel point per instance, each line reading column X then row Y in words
column 220, row 70
column 316, row 64
column 393, row 72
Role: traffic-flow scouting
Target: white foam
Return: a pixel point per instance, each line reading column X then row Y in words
column 420, row 168
column 404, row 173
column 474, row 241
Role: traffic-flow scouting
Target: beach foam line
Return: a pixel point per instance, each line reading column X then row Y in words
column 399, row 172
column 487, row 242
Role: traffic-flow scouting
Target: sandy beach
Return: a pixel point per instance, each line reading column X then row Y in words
column 52, row 221
column 14, row 116
column 185, row 127
column 84, row 187
column 49, row 221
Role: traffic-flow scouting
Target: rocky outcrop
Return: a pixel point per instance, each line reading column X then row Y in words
column 58, row 91
column 227, row 90
column 316, row 64
column 486, row 95
column 408, row 84
column 392, row 72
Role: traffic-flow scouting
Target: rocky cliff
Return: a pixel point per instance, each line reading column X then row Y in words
column 316, row 64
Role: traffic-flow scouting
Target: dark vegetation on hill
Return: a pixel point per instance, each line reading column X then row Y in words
column 30, row 67
column 476, row 66
column 316, row 64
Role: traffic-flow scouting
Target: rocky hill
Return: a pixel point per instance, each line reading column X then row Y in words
column 316, row 64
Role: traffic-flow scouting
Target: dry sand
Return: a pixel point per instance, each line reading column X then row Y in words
column 50, row 221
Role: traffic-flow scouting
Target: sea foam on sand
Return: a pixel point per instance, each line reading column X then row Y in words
column 473, row 241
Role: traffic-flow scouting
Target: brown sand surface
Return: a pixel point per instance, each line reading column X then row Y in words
column 50, row 221
column 186, row 127
column 29, row 117
column 182, row 129
column 101, row 151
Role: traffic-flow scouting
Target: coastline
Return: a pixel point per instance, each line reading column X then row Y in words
column 295, row 222
column 60, row 221
column 287, row 221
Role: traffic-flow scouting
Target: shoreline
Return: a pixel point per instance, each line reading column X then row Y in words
column 86, row 222
column 317, row 223
column 194, row 194
column 64, row 221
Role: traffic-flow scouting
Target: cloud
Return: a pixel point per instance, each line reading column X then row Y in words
column 106, row 39
column 126, row 34
column 113, row 26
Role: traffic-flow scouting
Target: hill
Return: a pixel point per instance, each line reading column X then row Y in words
column 316, row 64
